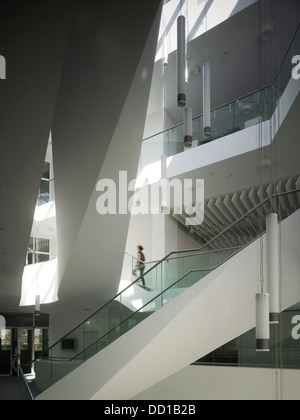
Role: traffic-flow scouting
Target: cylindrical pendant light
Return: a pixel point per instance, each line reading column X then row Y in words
column 37, row 305
column 163, row 182
column 206, row 101
column 2, row 67
column 181, row 62
column 188, row 126
column 262, row 322
column 272, row 251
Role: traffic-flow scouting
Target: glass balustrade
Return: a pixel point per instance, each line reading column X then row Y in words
column 46, row 192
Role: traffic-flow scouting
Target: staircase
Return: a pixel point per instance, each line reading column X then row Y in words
column 195, row 290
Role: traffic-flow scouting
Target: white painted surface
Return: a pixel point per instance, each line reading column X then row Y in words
column 226, row 383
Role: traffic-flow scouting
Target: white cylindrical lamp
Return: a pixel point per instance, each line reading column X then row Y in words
column 163, row 182
column 262, row 322
column 206, row 101
column 181, row 62
column 188, row 126
column 272, row 252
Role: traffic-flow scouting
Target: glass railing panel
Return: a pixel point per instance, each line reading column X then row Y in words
column 246, row 112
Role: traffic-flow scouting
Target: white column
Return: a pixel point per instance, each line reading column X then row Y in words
column 181, row 98
column 262, row 322
column 188, row 126
column 206, row 101
column 272, row 252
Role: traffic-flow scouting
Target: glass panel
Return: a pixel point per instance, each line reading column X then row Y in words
column 5, row 339
column 197, row 131
column 38, row 251
column 46, row 192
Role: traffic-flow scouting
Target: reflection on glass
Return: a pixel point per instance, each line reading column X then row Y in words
column 284, row 349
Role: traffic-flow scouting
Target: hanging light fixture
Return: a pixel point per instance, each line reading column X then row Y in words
column 206, row 101
column 262, row 322
column 163, row 183
column 272, row 251
column 188, row 126
column 181, row 61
